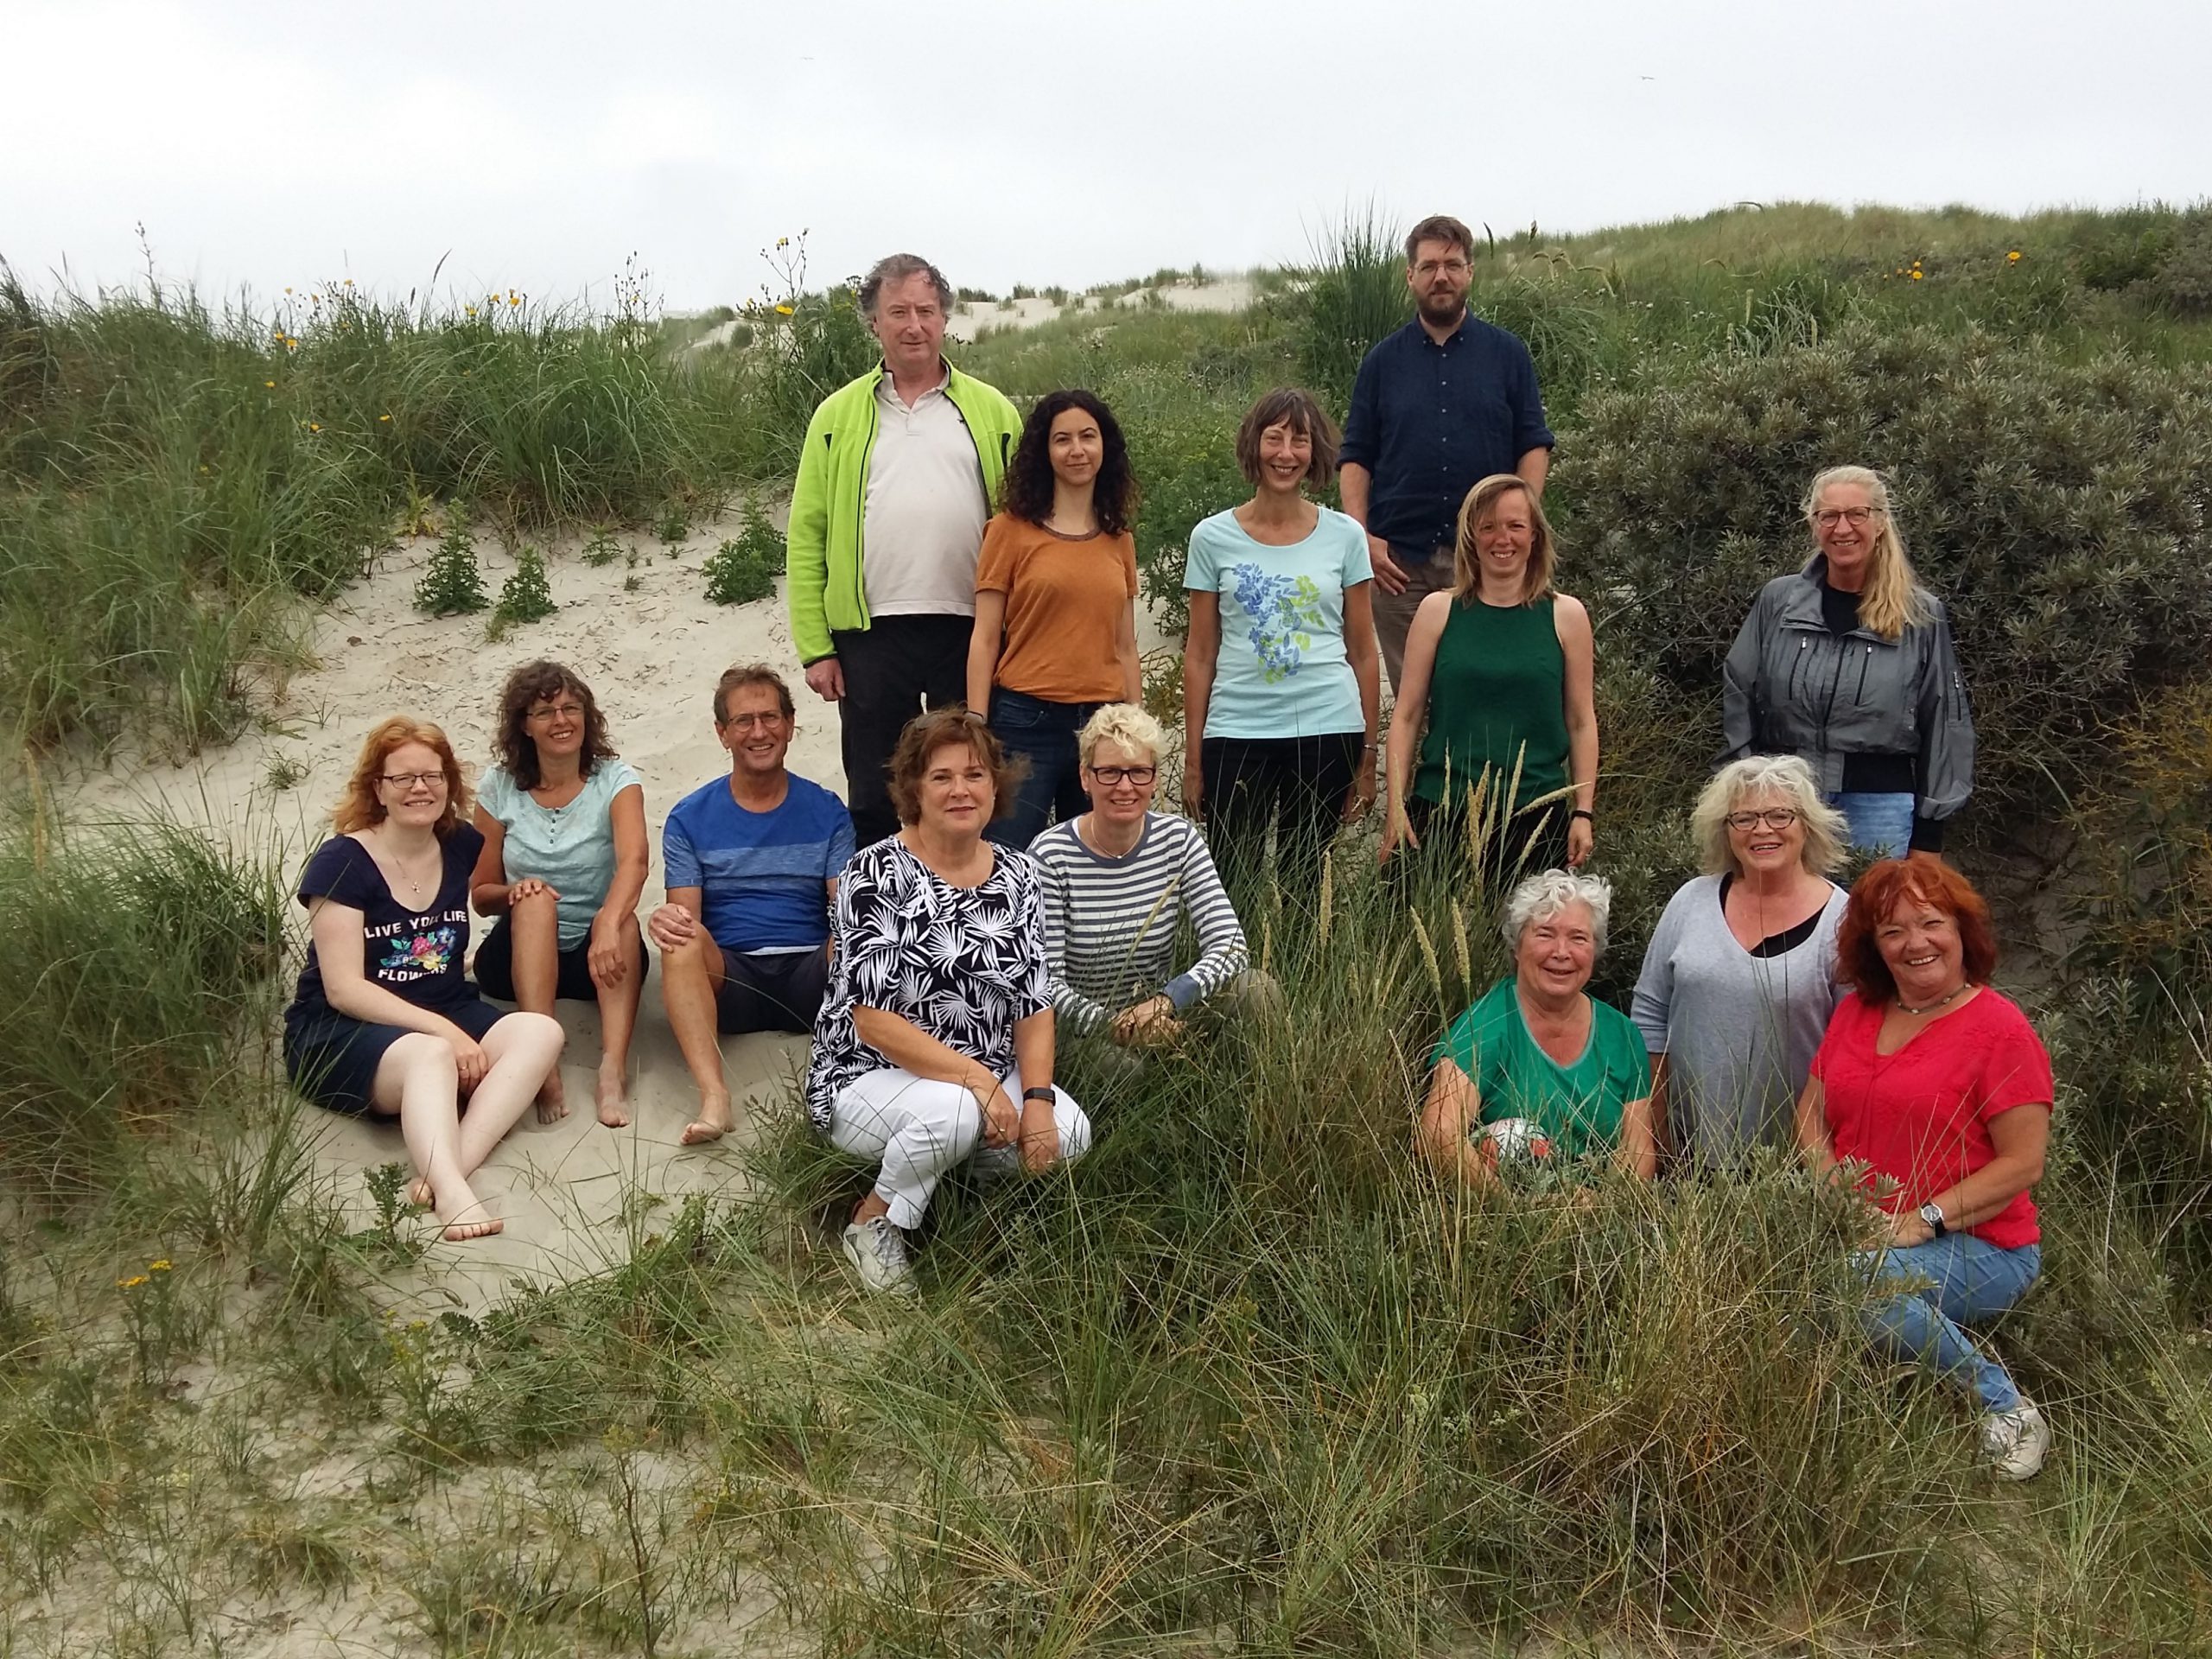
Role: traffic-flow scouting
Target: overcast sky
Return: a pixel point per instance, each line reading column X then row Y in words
column 264, row 143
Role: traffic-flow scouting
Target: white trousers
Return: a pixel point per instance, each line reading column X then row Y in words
column 920, row 1128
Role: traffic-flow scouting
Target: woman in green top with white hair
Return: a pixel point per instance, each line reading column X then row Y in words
column 1539, row 1068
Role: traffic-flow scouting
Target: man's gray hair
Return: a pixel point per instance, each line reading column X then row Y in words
column 897, row 268
column 1544, row 895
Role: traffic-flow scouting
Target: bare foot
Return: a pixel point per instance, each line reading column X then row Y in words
column 712, row 1123
column 552, row 1098
column 464, row 1216
column 614, row 1103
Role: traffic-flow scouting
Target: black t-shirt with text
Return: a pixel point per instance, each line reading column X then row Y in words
column 416, row 954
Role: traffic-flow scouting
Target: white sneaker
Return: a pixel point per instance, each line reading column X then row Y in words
column 2016, row 1441
column 878, row 1252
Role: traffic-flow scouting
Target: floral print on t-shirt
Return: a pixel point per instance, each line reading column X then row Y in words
column 1286, row 615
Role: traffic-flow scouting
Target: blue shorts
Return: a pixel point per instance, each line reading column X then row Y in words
column 332, row 1058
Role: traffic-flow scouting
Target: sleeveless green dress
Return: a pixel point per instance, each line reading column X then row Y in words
column 1498, row 698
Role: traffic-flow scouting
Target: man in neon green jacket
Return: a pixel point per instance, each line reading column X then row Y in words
column 899, row 473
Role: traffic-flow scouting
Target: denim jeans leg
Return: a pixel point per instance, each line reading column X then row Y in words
column 1880, row 823
column 1935, row 1288
column 1039, row 733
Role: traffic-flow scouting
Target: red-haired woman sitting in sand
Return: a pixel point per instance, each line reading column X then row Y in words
column 384, row 1023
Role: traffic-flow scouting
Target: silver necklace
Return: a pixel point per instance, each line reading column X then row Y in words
column 1929, row 1007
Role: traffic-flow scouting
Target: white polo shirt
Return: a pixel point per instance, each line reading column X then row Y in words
column 923, row 517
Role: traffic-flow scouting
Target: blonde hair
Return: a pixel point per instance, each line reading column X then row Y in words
column 360, row 807
column 1123, row 723
column 1893, row 600
column 1766, row 774
column 1466, row 565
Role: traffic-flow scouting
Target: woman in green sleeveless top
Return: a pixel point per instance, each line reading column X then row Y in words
column 1498, row 701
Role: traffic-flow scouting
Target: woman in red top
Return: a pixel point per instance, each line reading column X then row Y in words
column 1938, row 1089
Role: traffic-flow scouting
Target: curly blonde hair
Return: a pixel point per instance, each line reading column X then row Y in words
column 1123, row 723
column 1784, row 775
column 360, row 807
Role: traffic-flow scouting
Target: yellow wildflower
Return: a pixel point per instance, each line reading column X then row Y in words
column 472, row 310
column 132, row 1283
column 782, row 311
column 349, row 282
column 2013, row 258
column 384, row 417
column 1915, row 275
column 271, row 385
column 162, row 1266
column 312, row 427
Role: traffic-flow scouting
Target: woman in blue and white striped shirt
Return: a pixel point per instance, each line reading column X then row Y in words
column 1118, row 882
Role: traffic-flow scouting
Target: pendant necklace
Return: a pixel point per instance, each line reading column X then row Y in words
column 1929, row 1007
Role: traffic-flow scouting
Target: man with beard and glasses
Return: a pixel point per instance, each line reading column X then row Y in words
column 1439, row 405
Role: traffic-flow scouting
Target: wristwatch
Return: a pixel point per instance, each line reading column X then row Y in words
column 1043, row 1091
column 1932, row 1213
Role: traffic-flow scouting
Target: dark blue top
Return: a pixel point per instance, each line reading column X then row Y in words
column 411, row 953
column 761, row 876
column 1430, row 421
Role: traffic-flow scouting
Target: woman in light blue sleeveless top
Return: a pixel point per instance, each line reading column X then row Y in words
column 562, row 869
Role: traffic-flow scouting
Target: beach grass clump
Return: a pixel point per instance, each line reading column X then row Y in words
column 135, row 951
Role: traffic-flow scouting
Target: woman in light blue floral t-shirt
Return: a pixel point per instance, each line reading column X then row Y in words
column 1280, row 683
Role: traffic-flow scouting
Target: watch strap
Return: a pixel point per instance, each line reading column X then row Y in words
column 1042, row 1091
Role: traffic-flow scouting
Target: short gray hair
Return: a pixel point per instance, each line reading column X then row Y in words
column 897, row 268
column 1542, row 896
column 1766, row 774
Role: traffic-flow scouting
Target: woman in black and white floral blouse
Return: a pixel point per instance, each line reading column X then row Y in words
column 935, row 1044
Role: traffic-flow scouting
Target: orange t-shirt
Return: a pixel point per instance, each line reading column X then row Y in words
column 1064, row 596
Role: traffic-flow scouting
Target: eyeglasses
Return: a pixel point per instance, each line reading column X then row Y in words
column 1777, row 817
column 565, row 711
column 1110, row 776
column 1829, row 517
column 407, row 780
column 1428, row 268
column 766, row 722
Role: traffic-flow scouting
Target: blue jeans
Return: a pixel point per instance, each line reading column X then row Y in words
column 1880, row 823
column 1938, row 1285
column 1043, row 733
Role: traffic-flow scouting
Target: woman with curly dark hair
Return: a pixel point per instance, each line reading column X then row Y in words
column 1056, row 585
column 563, row 822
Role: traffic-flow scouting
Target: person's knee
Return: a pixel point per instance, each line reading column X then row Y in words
column 1075, row 1128
column 421, row 1055
column 540, row 1033
column 1256, row 994
column 685, row 960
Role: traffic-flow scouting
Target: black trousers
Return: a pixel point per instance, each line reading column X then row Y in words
column 1293, row 785
column 893, row 668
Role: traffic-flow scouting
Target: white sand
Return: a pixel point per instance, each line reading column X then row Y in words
column 650, row 658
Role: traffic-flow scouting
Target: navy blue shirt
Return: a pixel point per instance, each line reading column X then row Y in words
column 1430, row 421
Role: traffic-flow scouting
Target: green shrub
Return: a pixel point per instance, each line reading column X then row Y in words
column 745, row 567
column 2059, row 510
column 526, row 596
column 451, row 584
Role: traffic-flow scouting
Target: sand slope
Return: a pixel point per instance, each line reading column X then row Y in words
column 652, row 657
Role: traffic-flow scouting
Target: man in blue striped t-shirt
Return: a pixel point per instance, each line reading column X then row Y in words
column 752, row 864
